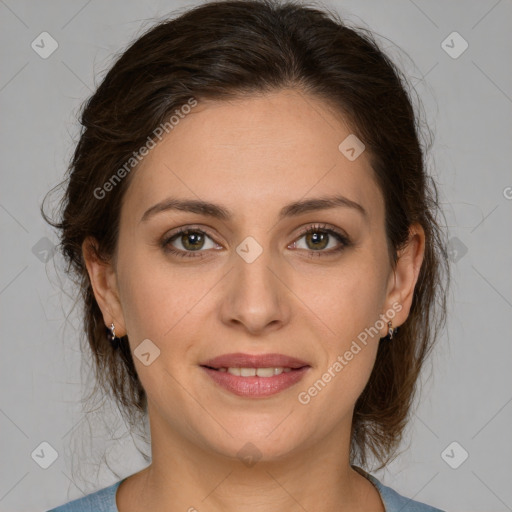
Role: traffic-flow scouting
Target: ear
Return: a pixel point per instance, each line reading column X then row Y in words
column 405, row 276
column 104, row 284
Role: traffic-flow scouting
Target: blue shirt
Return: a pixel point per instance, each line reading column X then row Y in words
column 104, row 500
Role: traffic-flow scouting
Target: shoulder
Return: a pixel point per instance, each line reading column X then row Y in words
column 103, row 500
column 395, row 502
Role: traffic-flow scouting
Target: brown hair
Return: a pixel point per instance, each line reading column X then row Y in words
column 227, row 49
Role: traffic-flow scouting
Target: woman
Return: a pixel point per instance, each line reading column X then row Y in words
column 250, row 217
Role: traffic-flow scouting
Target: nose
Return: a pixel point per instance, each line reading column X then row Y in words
column 255, row 297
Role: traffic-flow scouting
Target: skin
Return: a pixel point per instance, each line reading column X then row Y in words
column 252, row 155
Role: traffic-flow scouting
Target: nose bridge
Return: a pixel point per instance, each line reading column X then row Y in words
column 252, row 261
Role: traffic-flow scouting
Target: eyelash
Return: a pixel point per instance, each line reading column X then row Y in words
column 323, row 228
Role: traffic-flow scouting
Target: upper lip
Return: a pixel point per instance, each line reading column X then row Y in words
column 240, row 360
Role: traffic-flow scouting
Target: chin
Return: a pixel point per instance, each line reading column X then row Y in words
column 261, row 442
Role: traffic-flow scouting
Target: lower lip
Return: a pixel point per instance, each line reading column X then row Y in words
column 256, row 387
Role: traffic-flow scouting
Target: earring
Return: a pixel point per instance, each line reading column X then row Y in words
column 114, row 340
column 391, row 331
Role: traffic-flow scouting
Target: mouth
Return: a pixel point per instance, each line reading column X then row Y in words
column 255, row 376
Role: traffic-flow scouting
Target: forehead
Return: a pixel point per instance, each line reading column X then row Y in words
column 255, row 153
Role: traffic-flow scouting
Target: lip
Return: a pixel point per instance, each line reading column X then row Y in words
column 240, row 360
column 255, row 387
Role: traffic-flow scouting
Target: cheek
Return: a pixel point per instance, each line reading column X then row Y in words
column 347, row 308
column 156, row 296
column 158, row 304
column 349, row 300
column 148, row 305
column 350, row 350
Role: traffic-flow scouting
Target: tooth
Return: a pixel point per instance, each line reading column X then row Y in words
column 252, row 372
column 265, row 372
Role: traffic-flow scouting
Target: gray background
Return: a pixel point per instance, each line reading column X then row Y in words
column 466, row 397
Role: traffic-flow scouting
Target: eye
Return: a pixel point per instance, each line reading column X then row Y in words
column 320, row 237
column 188, row 241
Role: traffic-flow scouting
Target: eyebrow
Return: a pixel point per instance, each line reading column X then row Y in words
column 222, row 213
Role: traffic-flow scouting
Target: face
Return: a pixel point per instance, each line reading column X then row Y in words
column 262, row 278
